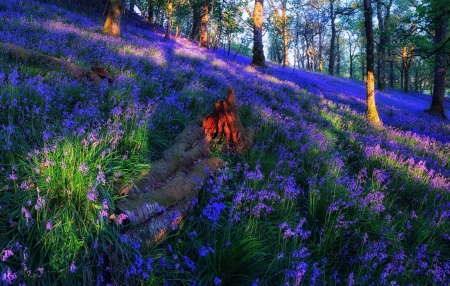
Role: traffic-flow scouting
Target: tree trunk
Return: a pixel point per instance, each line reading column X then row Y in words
column 224, row 124
column 112, row 23
column 372, row 114
column 169, row 20
column 333, row 40
column 383, row 23
column 391, row 72
column 437, row 103
column 132, row 4
column 196, row 21
column 285, row 38
column 204, row 25
column 258, row 49
column 407, row 60
column 151, row 20
column 338, row 55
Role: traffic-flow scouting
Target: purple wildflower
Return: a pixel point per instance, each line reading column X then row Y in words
column 73, row 267
column 7, row 253
column 9, row 276
column 84, row 168
column 49, row 225
column 217, row 281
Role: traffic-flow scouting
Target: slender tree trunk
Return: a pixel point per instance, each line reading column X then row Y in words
column 363, row 70
column 169, row 20
column 351, row 66
column 391, row 71
column 204, row 25
column 338, row 55
column 285, row 38
column 151, row 19
column 333, row 39
column 112, row 23
column 209, row 40
column 407, row 60
column 383, row 23
column 178, row 20
column 132, row 3
column 258, row 49
column 372, row 114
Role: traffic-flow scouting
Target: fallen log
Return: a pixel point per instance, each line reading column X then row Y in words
column 95, row 74
column 163, row 195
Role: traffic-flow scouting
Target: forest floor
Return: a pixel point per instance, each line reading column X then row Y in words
column 321, row 197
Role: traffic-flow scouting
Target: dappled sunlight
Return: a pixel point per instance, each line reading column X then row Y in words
column 331, row 194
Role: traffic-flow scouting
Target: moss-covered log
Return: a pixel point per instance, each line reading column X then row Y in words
column 95, row 74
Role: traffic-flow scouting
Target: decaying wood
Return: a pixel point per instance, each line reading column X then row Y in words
column 95, row 74
column 165, row 192
column 163, row 195
column 224, row 122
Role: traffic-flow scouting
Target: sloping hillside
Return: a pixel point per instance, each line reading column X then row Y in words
column 321, row 197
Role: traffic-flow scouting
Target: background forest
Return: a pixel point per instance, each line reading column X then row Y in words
column 323, row 196
column 323, row 36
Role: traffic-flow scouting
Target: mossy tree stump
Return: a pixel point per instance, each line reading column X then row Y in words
column 224, row 123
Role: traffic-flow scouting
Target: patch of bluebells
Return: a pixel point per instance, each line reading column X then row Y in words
column 424, row 158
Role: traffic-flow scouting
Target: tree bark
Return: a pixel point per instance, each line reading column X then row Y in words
column 372, row 113
column 258, row 48
column 332, row 40
column 407, row 60
column 151, row 19
column 112, row 23
column 169, row 20
column 95, row 74
column 437, row 103
column 224, row 123
column 285, row 37
column 204, row 25
column 383, row 23
column 196, row 21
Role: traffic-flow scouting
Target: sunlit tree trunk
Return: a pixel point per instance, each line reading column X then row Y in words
column 204, row 25
column 407, row 60
column 372, row 114
column 112, row 23
column 258, row 49
column 169, row 20
column 285, row 39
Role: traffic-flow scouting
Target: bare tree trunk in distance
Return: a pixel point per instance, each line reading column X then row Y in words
column 258, row 49
column 333, row 39
column 285, row 37
column 204, row 25
column 407, row 60
column 437, row 103
column 112, row 23
column 169, row 20
column 150, row 12
column 383, row 23
column 372, row 113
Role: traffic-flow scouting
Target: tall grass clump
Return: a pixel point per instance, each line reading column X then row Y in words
column 63, row 158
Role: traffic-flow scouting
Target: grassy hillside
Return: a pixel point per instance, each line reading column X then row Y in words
column 321, row 197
